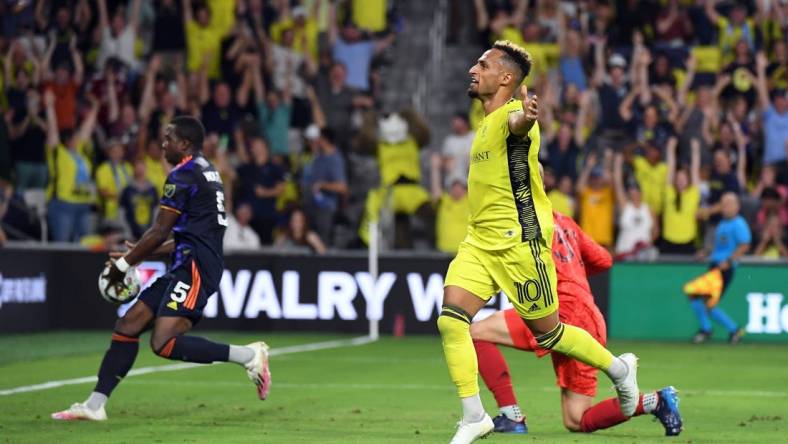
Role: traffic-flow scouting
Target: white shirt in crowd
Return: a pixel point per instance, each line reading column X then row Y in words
column 458, row 148
column 286, row 61
column 237, row 237
column 635, row 225
column 121, row 47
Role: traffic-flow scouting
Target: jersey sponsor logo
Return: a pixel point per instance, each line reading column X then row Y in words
column 528, row 291
column 482, row 156
column 169, row 190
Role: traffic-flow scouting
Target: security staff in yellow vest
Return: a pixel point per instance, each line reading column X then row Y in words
column 71, row 191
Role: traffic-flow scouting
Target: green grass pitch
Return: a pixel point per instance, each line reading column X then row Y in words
column 391, row 391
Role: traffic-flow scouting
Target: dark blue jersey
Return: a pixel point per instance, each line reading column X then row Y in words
column 194, row 190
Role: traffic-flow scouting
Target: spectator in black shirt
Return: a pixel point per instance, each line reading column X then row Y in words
column 27, row 133
column 221, row 115
column 139, row 201
column 260, row 183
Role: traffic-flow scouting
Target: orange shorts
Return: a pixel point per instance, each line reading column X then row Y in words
column 570, row 374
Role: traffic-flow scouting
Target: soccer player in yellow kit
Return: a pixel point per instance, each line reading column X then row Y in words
column 508, row 246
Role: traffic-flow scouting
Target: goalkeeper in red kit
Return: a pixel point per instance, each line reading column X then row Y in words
column 575, row 255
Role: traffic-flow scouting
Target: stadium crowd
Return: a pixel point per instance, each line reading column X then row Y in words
column 650, row 112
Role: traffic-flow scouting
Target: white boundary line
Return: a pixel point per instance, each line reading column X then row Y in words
column 299, row 348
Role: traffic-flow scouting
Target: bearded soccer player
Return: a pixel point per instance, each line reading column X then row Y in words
column 192, row 207
column 509, row 241
column 574, row 254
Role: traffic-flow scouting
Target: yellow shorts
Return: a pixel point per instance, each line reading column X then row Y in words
column 526, row 273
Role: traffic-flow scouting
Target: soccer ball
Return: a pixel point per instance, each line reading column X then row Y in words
column 126, row 291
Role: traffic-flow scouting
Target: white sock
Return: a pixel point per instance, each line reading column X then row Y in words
column 650, row 401
column 512, row 412
column 240, row 354
column 96, row 400
column 472, row 409
column 618, row 369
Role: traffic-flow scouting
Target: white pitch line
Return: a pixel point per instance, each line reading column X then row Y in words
column 444, row 387
column 299, row 348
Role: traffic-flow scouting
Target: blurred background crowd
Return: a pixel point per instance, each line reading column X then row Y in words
column 650, row 112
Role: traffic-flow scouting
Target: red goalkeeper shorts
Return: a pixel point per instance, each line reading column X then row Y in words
column 570, row 374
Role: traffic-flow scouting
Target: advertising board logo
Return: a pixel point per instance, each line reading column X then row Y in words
column 23, row 290
column 767, row 314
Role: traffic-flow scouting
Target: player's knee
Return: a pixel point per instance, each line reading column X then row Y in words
column 453, row 320
column 129, row 326
column 572, row 424
column 549, row 339
column 162, row 344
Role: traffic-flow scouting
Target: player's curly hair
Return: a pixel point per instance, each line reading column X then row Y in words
column 516, row 56
column 190, row 129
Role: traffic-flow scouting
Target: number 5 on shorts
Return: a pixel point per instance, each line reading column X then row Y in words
column 179, row 292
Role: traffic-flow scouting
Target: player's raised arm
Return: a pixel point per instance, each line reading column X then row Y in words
column 522, row 122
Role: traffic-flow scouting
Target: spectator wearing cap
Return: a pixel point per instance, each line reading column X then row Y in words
column 112, row 176
column 775, row 117
column 612, row 88
column 304, row 27
column 323, row 182
column 139, row 201
column 596, row 200
column 355, row 50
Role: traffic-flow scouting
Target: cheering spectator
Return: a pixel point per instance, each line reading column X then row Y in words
column 636, row 227
column 355, row 50
column 324, row 184
column 27, row 134
column 731, row 29
column 452, row 211
column 674, row 27
column 118, row 38
column 112, row 176
column 651, row 175
column 260, row 182
column 205, row 29
column 273, row 112
column 297, row 235
column 682, row 200
column 64, row 85
column 596, row 200
column 239, row 235
column 139, row 201
column 338, row 101
column 169, row 40
column 775, row 117
column 71, row 191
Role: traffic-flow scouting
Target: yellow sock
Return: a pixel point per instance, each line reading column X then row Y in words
column 577, row 344
column 454, row 325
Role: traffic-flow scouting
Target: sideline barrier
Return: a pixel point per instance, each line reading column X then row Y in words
column 45, row 289
column 646, row 301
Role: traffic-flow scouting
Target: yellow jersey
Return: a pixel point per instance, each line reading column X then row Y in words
column 506, row 197
column 679, row 223
column 451, row 223
column 69, row 175
column 113, row 179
